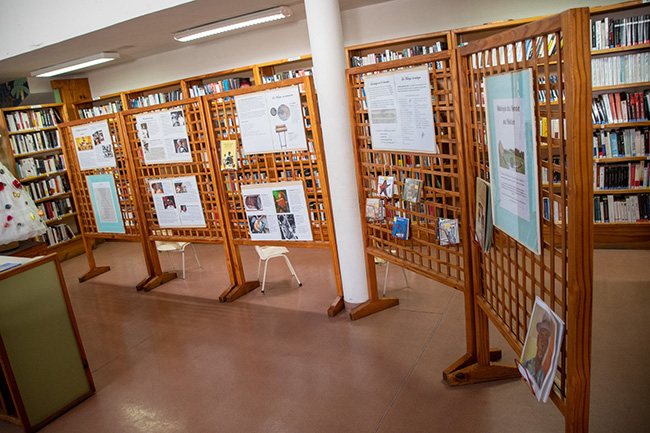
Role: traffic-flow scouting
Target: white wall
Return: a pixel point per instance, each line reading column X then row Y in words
column 368, row 24
column 44, row 18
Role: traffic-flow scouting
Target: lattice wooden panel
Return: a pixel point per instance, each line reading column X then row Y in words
column 121, row 174
column 442, row 193
column 307, row 166
column 510, row 274
column 202, row 168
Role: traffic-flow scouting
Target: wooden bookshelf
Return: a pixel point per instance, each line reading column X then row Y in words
column 626, row 226
column 154, row 95
column 108, row 104
column 398, row 48
column 218, row 82
column 465, row 35
column 283, row 69
column 32, row 144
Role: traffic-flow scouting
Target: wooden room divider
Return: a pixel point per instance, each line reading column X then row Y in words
column 129, row 203
column 194, row 169
column 306, row 167
column 440, row 174
column 508, row 277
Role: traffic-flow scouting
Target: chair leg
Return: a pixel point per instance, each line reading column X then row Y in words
column 266, row 263
column 183, row 259
column 195, row 256
column 406, row 279
column 170, row 260
column 259, row 266
column 286, row 259
column 385, row 280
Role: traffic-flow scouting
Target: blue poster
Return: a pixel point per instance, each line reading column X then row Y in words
column 106, row 207
column 513, row 156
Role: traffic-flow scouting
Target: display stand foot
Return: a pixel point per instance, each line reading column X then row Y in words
column 93, row 273
column 372, row 307
column 467, row 360
column 159, row 280
column 238, row 291
column 336, row 306
column 460, row 373
column 224, row 295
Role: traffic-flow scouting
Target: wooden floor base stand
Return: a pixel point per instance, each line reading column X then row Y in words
column 466, row 371
column 468, row 360
column 337, row 306
column 93, row 273
column 159, row 280
column 238, row 291
column 372, row 307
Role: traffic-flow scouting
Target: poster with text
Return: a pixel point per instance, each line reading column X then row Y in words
column 513, row 156
column 277, row 211
column 163, row 135
column 106, row 207
column 401, row 114
column 177, row 202
column 94, row 145
column 271, row 121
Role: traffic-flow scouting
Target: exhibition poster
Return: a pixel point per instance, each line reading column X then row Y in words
column 163, row 135
column 177, row 202
column 106, row 207
column 94, row 145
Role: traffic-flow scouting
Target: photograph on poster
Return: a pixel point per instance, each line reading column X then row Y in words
column 177, row 202
column 164, row 137
column 94, row 145
column 277, row 211
column 271, row 121
column 400, row 111
column 105, row 203
column 512, row 153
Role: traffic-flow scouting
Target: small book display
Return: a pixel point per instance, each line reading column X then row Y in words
column 412, row 190
column 448, row 231
column 483, row 229
column 375, row 209
column 401, row 227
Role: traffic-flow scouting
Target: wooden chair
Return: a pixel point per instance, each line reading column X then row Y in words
column 171, row 246
column 267, row 253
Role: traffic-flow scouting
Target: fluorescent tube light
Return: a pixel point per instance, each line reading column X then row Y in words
column 74, row 65
column 239, row 22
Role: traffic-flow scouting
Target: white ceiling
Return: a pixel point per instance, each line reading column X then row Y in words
column 146, row 35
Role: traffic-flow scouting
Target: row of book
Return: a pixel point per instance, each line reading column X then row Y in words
column 156, row 98
column 389, row 55
column 34, row 142
column 56, row 234
column 616, row 70
column 31, row 119
column 620, row 32
column 631, row 175
column 47, row 187
column 553, row 92
column 622, row 209
column 621, row 142
column 31, row 167
column 286, row 75
column 620, row 107
column 219, row 86
column 541, row 46
column 109, row 108
column 56, row 208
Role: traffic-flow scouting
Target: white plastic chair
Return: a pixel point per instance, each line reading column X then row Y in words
column 179, row 247
column 267, row 253
column 382, row 262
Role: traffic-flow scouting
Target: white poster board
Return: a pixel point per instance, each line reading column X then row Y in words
column 277, row 211
column 94, row 145
column 400, row 111
column 164, row 137
column 271, row 121
column 177, row 202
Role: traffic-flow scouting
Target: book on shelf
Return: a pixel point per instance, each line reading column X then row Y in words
column 26, row 120
column 412, row 190
column 541, row 351
column 620, row 69
column 389, row 55
column 448, row 231
column 34, row 142
column 30, row 167
column 620, row 107
column 611, row 32
column 632, row 208
column 546, row 210
column 627, row 142
column 374, row 209
column 401, row 227
column 630, row 175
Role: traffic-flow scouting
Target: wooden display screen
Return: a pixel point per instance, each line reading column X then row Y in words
column 509, row 276
column 440, row 174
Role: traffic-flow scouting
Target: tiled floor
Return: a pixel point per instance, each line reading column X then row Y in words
column 176, row 360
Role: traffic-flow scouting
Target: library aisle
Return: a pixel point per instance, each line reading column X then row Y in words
column 175, row 360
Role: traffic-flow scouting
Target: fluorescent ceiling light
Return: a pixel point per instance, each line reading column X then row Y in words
column 74, row 65
column 239, row 22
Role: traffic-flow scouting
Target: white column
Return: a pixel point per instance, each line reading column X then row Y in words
column 328, row 54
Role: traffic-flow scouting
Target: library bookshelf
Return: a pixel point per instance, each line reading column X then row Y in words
column 620, row 49
column 37, row 160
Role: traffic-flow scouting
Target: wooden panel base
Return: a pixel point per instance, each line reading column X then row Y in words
column 238, row 291
column 10, row 418
column 337, row 306
column 158, row 280
column 466, row 371
column 372, row 307
column 93, row 273
column 622, row 235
